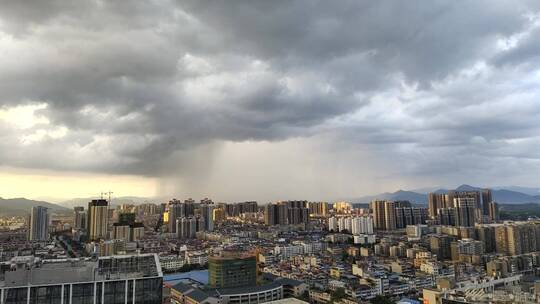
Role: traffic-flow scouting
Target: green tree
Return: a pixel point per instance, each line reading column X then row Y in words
column 338, row 294
column 381, row 300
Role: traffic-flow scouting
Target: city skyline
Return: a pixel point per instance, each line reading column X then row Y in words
column 266, row 100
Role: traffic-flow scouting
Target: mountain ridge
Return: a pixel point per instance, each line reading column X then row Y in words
column 500, row 195
column 22, row 206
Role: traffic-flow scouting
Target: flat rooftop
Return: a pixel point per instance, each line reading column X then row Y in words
column 287, row 301
column 31, row 271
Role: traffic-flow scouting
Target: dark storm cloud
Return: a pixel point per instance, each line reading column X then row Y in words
column 127, row 86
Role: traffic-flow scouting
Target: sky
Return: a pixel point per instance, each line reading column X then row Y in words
column 266, row 100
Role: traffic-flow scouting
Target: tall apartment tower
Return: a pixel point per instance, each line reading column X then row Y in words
column 187, row 227
column 79, row 218
column 98, row 219
column 377, row 208
column 487, row 198
column 437, row 201
column 270, row 215
column 176, row 210
column 440, row 245
column 486, row 234
column 493, row 211
column 286, row 213
column 390, row 215
column 207, row 212
column 465, row 211
column 318, row 209
column 433, row 205
column 38, row 229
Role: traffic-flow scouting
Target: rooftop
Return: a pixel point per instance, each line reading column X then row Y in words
column 287, row 301
column 22, row 271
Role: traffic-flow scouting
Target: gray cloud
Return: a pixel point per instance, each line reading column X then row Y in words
column 139, row 86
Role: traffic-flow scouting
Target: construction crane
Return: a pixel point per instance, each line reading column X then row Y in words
column 107, row 193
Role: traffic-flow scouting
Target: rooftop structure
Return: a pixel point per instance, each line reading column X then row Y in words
column 111, row 279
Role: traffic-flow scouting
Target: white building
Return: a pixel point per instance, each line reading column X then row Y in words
column 171, row 262
column 333, row 224
column 289, row 251
column 353, row 224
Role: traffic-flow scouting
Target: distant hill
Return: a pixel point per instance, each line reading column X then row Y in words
column 21, row 206
column 527, row 190
column 400, row 195
column 132, row 200
column 499, row 195
column 520, row 211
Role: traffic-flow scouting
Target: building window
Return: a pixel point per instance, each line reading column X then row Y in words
column 148, row 291
column 46, row 295
column 83, row 293
column 16, row 296
column 115, row 292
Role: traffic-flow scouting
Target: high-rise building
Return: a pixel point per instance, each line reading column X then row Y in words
column 437, row 201
column 446, row 216
column 127, row 228
column 271, row 217
column 333, row 224
column 110, row 280
column 232, row 270
column 501, row 239
column 377, row 209
column 219, row 214
column 479, row 199
column 468, row 248
column 207, row 212
column 38, row 229
column 493, row 212
column 176, row 210
column 247, row 207
column 97, row 219
column 318, row 209
column 440, row 246
column 345, row 224
column 486, row 234
column 487, row 198
column 297, row 212
column 410, row 216
column 286, row 213
column 187, row 227
column 190, row 207
column 240, row 208
column 362, row 225
column 79, row 218
column 517, row 238
column 465, row 211
column 121, row 232
column 390, row 215
column 342, row 207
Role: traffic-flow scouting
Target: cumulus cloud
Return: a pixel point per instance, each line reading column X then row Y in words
column 432, row 91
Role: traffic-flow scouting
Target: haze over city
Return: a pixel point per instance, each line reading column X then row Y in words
column 266, row 100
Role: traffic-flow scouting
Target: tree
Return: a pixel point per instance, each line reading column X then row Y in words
column 381, row 300
column 305, row 296
column 338, row 294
